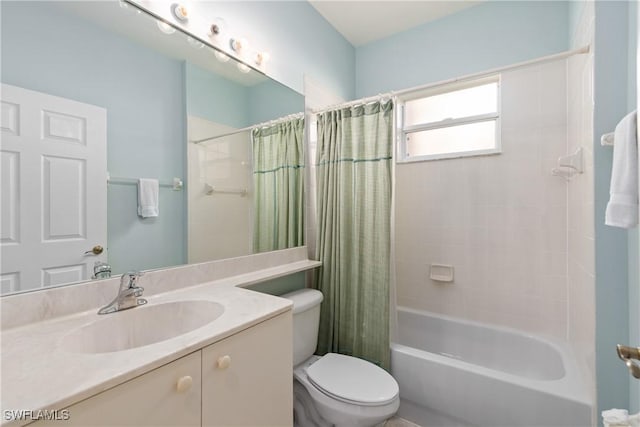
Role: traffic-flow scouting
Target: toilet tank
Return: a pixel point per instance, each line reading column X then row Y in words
column 306, row 318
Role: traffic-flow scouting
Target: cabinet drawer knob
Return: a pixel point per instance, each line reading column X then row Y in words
column 224, row 361
column 184, row 384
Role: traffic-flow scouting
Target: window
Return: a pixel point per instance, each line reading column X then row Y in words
column 455, row 121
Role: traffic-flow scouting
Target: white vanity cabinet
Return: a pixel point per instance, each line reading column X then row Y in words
column 243, row 380
column 247, row 378
column 167, row 396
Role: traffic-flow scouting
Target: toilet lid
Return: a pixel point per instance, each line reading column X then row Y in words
column 353, row 380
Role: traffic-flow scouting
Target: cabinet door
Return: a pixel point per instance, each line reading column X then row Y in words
column 167, row 396
column 247, row 379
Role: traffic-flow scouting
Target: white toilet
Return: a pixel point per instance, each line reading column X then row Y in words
column 334, row 389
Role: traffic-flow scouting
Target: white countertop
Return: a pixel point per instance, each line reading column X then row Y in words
column 37, row 373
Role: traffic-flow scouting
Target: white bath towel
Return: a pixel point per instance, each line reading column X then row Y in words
column 622, row 210
column 148, row 197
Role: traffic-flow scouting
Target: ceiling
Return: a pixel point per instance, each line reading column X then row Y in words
column 363, row 21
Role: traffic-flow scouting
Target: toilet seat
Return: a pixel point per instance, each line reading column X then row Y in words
column 352, row 380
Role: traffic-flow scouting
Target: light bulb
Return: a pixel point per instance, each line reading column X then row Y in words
column 221, row 56
column 244, row 68
column 217, row 27
column 239, row 45
column 195, row 43
column 165, row 28
column 180, row 12
column 262, row 58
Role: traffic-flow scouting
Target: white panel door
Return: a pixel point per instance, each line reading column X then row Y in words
column 53, row 189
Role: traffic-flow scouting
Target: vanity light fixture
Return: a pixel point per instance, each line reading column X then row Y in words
column 180, row 12
column 165, row 28
column 244, row 68
column 239, row 45
column 261, row 58
column 221, row 56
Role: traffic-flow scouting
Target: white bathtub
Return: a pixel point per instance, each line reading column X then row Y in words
column 453, row 372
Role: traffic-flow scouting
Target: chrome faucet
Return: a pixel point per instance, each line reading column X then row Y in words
column 128, row 295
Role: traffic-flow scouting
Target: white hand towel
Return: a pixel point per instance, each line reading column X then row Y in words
column 615, row 418
column 148, row 197
column 622, row 210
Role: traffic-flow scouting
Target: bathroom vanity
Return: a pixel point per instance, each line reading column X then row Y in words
column 206, row 353
column 231, row 382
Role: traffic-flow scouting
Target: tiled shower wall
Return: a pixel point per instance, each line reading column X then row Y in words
column 220, row 225
column 581, row 243
column 500, row 220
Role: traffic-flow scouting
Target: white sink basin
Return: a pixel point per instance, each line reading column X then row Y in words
column 140, row 326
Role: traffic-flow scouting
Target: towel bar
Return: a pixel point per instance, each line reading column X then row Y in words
column 176, row 184
column 209, row 190
column 607, row 139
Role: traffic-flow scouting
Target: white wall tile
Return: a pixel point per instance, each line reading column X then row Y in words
column 580, row 208
column 520, row 239
column 500, row 220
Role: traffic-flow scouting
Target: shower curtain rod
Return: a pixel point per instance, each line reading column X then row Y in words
column 362, row 101
column 249, row 128
column 541, row 60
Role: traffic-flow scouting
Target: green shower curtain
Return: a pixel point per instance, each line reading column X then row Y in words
column 278, row 178
column 354, row 173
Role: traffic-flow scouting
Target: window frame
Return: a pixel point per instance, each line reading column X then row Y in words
column 403, row 131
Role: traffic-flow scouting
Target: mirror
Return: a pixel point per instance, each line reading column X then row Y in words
column 97, row 89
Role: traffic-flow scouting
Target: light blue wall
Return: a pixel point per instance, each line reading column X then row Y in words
column 44, row 49
column 271, row 100
column 299, row 39
column 632, row 52
column 243, row 105
column 485, row 36
column 575, row 12
column 281, row 285
column 215, row 98
column 612, row 289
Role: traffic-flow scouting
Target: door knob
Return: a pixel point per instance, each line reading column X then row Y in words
column 634, row 369
column 626, row 354
column 96, row 250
